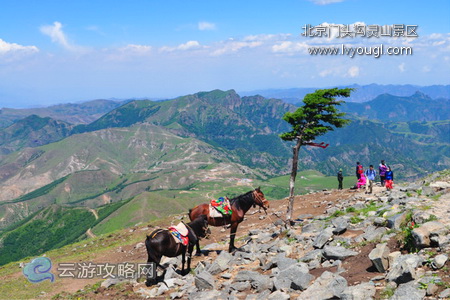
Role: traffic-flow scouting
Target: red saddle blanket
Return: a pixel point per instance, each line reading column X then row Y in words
column 180, row 233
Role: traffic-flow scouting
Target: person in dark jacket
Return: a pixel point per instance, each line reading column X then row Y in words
column 382, row 168
column 340, row 178
column 389, row 179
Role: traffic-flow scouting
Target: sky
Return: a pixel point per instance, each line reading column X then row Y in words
column 70, row 51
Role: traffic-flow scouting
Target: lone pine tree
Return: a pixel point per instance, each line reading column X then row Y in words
column 317, row 116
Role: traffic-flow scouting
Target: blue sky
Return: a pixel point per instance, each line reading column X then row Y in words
column 68, row 51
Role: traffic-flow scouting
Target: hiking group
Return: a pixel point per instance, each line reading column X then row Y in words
column 366, row 178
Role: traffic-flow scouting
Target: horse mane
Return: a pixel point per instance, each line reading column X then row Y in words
column 244, row 198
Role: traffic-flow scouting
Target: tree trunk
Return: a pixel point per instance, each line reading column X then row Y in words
column 295, row 151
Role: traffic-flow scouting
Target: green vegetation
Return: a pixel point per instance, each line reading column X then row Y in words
column 55, row 227
column 406, row 232
column 50, row 228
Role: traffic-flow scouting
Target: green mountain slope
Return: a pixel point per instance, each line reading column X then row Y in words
column 32, row 131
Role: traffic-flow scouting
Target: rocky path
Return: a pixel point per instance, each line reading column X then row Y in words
column 345, row 245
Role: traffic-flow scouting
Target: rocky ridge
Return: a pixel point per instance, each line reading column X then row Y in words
column 391, row 245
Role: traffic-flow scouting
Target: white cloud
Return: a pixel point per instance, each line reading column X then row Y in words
column 290, row 47
column 190, row 45
column 231, row 46
column 138, row 49
column 206, row 26
column 325, row 2
column 267, row 37
column 325, row 73
column 6, row 47
column 57, row 35
column 353, row 71
column 401, row 67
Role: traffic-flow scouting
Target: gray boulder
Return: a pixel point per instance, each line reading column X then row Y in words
column 312, row 255
column 204, row 295
column 257, row 281
column 423, row 235
column 323, row 238
column 409, row 291
column 296, row 277
column 379, row 257
column 374, row 233
column 439, row 261
column 340, row 224
column 221, row 263
column 205, row 281
column 337, row 252
column 327, row 286
column 404, row 268
column 396, row 220
column 364, row 291
column 278, row 295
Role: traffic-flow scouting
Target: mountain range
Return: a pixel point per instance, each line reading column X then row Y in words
column 137, row 150
column 362, row 93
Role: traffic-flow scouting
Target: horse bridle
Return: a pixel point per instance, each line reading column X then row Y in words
column 260, row 199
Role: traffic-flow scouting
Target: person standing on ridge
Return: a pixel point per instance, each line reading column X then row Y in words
column 389, row 179
column 340, row 178
column 371, row 174
column 382, row 168
column 359, row 170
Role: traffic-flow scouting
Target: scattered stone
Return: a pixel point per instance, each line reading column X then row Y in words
column 204, row 295
column 221, row 263
column 396, row 220
column 139, row 245
column 439, row 261
column 296, row 277
column 404, row 268
column 379, row 257
column 204, row 281
column 445, row 294
column 213, row 246
column 314, row 255
column 313, row 227
column 420, row 217
column 374, row 233
column 409, row 291
column 327, row 286
column 364, row 290
column 278, row 295
column 379, row 221
column 337, row 252
column 392, row 257
column 340, row 224
column 323, row 238
column 423, row 234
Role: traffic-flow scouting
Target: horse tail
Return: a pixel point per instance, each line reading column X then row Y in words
column 151, row 255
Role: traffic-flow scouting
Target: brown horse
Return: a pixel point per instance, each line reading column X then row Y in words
column 161, row 243
column 239, row 205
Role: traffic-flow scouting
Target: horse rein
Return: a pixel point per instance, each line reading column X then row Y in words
column 260, row 199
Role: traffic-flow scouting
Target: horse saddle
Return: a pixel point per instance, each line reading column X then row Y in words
column 180, row 233
column 220, row 208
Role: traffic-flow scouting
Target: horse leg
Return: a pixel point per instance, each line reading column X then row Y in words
column 198, row 252
column 232, row 236
column 183, row 260
column 189, row 253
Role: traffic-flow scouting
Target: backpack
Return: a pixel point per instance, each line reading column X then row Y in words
column 360, row 169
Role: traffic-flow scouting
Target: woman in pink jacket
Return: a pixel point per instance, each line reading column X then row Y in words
column 361, row 181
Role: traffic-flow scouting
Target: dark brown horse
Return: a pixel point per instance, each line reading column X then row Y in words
column 239, row 205
column 161, row 243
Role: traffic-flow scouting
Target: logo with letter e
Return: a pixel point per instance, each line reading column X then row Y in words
column 39, row 270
